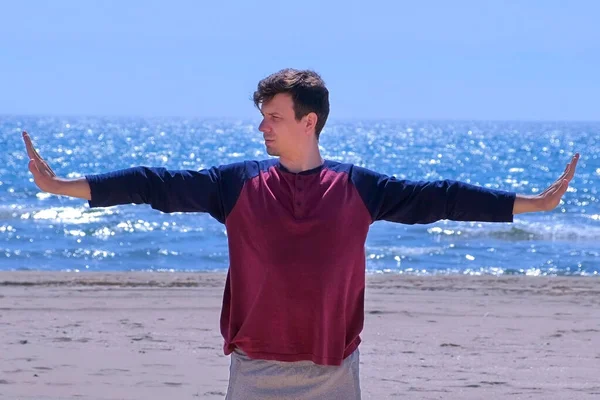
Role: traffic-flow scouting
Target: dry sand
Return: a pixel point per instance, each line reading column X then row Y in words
column 156, row 336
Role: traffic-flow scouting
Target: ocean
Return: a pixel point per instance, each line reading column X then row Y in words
column 39, row 231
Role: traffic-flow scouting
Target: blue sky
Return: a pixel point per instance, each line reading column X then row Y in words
column 532, row 60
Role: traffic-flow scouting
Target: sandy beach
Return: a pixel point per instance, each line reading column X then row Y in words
column 156, row 336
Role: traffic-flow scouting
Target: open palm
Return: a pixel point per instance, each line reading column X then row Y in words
column 550, row 198
column 43, row 176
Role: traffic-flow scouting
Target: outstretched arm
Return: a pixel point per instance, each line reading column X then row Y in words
column 165, row 190
column 549, row 198
column 423, row 202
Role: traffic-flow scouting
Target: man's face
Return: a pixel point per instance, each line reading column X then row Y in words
column 281, row 131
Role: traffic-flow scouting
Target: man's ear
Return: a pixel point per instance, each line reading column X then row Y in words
column 311, row 122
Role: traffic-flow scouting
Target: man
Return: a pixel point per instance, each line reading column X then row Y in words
column 297, row 224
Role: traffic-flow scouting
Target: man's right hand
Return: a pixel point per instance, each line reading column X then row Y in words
column 45, row 178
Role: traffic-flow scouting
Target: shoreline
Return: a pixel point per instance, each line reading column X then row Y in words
column 131, row 279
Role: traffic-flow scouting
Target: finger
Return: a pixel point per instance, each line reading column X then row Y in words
column 569, row 169
column 552, row 188
column 565, row 172
column 36, row 152
column 33, row 168
column 554, row 196
column 31, row 151
column 43, row 167
column 562, row 186
column 41, row 164
column 573, row 167
column 29, row 146
column 47, row 168
column 560, row 190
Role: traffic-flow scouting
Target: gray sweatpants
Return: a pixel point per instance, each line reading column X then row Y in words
column 300, row 380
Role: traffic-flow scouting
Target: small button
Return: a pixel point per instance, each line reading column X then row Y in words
column 298, row 203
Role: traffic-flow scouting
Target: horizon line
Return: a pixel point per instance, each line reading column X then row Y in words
column 330, row 118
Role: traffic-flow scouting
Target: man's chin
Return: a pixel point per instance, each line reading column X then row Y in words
column 272, row 152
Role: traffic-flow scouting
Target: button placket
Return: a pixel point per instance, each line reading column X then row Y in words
column 298, row 194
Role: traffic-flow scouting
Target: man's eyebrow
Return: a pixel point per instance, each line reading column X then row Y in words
column 271, row 113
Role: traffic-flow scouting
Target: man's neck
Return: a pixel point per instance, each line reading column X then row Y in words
column 304, row 162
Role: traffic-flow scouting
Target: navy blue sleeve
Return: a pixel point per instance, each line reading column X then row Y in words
column 214, row 190
column 423, row 202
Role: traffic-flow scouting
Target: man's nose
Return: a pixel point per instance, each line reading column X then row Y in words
column 264, row 126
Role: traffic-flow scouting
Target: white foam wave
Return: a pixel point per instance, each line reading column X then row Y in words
column 376, row 252
column 522, row 230
column 68, row 215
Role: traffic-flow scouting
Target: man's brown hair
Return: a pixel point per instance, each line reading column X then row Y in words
column 306, row 88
